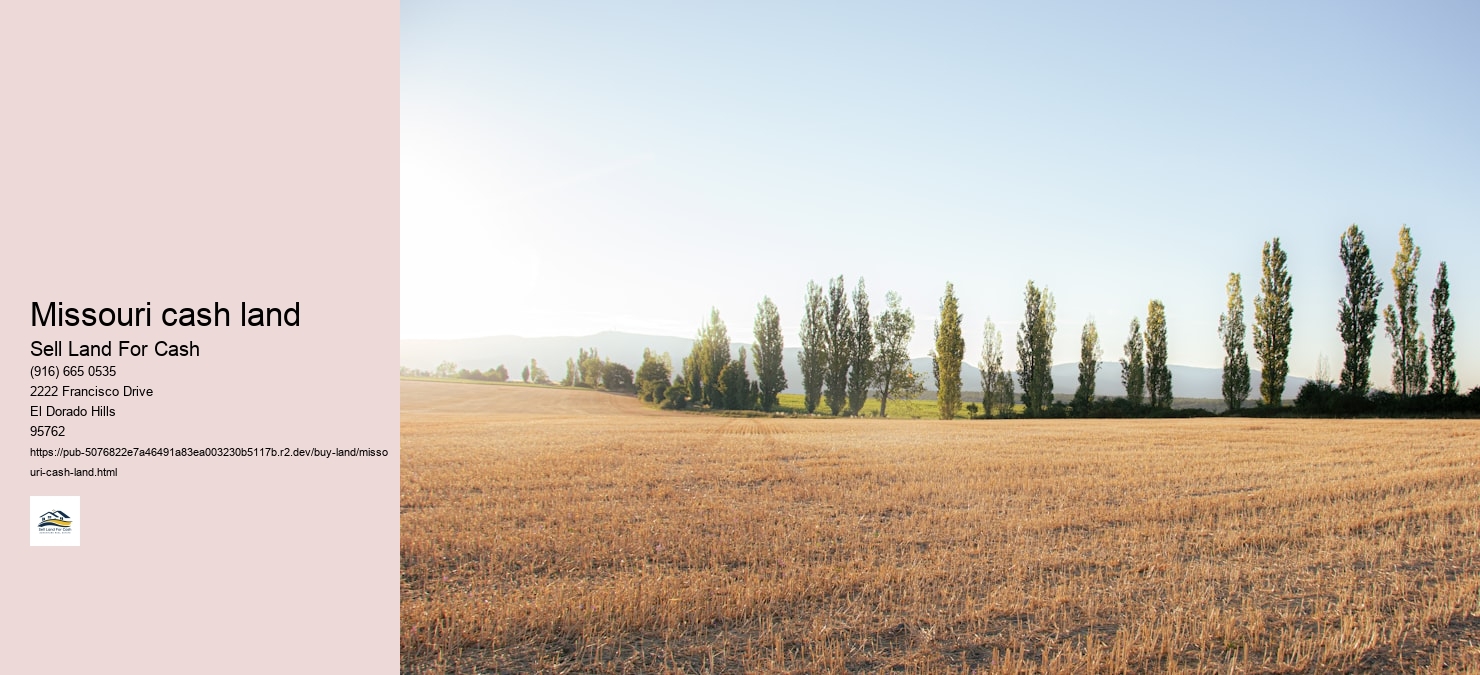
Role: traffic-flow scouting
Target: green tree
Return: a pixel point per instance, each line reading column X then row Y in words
column 1035, row 349
column 711, row 353
column 538, row 374
column 1007, row 395
column 676, row 397
column 1357, row 316
column 734, row 385
column 446, row 369
column 839, row 346
column 499, row 374
column 616, row 377
column 590, row 366
column 1235, row 359
column 894, row 379
column 1445, row 381
column 691, row 376
column 1133, row 365
column 991, row 369
column 652, row 376
column 1272, row 314
column 813, row 357
column 1089, row 365
column 950, row 349
column 861, row 352
column 1158, row 373
column 1410, row 367
column 524, row 374
column 769, row 345
column 570, row 374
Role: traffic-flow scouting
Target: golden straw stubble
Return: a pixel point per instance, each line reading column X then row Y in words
column 554, row 530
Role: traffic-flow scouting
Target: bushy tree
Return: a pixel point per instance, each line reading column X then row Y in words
column 813, row 357
column 1035, row 349
column 769, row 345
column 652, row 376
column 1089, row 365
column 676, row 397
column 861, row 352
column 1272, row 314
column 1445, row 381
column 1235, row 360
column 1133, row 365
column 1158, row 372
column 839, row 347
column 1410, row 367
column 616, row 377
column 524, row 374
column 734, row 385
column 1007, row 396
column 591, row 367
column 894, row 379
column 710, row 354
column 446, row 369
column 1357, row 314
column 499, row 374
column 538, row 374
column 950, row 348
column 991, row 369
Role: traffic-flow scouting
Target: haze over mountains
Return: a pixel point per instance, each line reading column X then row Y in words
column 626, row 348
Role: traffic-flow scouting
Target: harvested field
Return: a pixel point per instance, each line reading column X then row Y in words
column 545, row 530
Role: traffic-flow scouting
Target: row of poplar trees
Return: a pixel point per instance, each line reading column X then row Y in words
column 1356, row 322
column 1145, row 372
column 846, row 356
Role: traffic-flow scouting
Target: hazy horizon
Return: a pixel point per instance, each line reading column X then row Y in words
column 629, row 167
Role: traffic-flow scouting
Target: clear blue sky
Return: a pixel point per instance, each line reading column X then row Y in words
column 569, row 168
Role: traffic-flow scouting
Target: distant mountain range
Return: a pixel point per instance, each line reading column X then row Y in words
column 551, row 352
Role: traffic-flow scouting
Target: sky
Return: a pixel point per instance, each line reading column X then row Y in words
column 575, row 168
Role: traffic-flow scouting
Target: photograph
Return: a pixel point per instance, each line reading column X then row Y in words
column 943, row 337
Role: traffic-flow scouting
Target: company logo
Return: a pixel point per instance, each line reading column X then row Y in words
column 55, row 519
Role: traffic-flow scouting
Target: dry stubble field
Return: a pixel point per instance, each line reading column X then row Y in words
column 572, row 531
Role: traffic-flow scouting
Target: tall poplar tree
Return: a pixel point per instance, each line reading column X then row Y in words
column 950, row 349
column 1158, row 372
column 991, row 369
column 1089, row 364
column 861, row 368
column 839, row 347
column 1442, row 354
column 893, row 376
column 1133, row 365
column 1410, row 367
column 813, row 357
column 1035, row 349
column 1357, row 314
column 693, row 381
column 767, row 352
column 1272, row 313
column 711, row 353
column 1235, row 358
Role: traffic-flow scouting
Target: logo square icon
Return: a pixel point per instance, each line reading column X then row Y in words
column 56, row 521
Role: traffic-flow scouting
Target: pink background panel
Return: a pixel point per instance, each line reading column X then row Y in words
column 184, row 153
